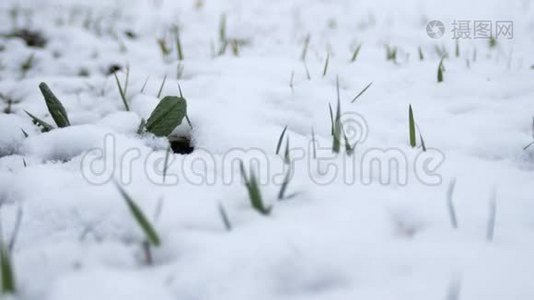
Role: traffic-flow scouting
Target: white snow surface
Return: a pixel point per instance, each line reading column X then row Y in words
column 335, row 238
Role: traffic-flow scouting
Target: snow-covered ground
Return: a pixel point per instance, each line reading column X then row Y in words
column 349, row 230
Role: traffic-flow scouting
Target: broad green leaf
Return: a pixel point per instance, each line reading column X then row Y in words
column 55, row 107
column 167, row 116
column 140, row 218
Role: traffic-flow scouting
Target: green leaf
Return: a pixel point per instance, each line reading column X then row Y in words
column 287, row 158
column 283, row 188
column 361, row 93
column 122, row 92
column 224, row 217
column 6, row 269
column 254, row 193
column 280, row 140
column 440, row 70
column 140, row 218
column 45, row 127
column 420, row 51
column 167, row 116
column 356, row 52
column 412, row 127
column 325, row 69
column 55, row 107
column 336, row 145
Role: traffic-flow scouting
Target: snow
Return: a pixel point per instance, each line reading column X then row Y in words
column 341, row 236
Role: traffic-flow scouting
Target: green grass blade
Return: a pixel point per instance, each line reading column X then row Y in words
column 411, row 127
column 55, row 107
column 255, row 195
column 144, row 84
column 285, row 183
column 287, row 158
column 121, row 92
column 305, row 48
column 450, row 205
column 336, row 144
column 7, row 273
column 162, row 85
column 178, row 43
column 224, row 217
column 422, row 142
column 253, row 190
column 356, row 52
column 314, row 153
column 222, row 28
column 45, row 127
column 163, row 47
column 348, row 147
column 420, row 51
column 440, row 71
column 166, row 162
column 490, row 230
column 140, row 218
column 325, row 69
column 331, row 119
column 279, row 144
column 361, row 93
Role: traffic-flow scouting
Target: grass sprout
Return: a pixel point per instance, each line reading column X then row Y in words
column 280, row 139
column 254, row 192
column 441, row 69
column 45, row 127
column 285, row 183
column 224, row 217
column 361, row 92
column 450, row 204
column 55, row 107
column 411, row 125
column 162, row 86
column 178, row 42
column 336, row 123
column 305, row 48
column 122, row 92
column 420, row 52
column 325, row 68
column 151, row 234
column 6, row 271
column 532, row 132
column 490, row 229
column 355, row 53
column 391, row 53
